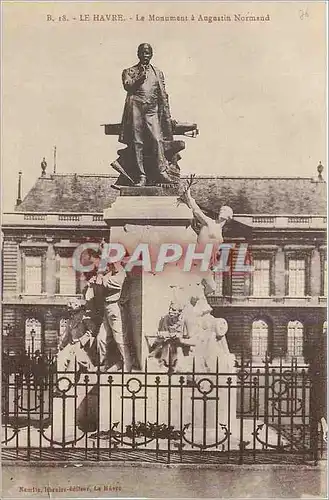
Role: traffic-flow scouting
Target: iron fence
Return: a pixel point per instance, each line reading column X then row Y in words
column 255, row 414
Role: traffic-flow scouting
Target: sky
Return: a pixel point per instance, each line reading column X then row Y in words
column 255, row 89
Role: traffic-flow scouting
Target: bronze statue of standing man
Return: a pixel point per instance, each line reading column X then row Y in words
column 146, row 121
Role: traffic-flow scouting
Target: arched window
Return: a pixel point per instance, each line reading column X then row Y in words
column 325, row 327
column 259, row 338
column 295, row 338
column 33, row 336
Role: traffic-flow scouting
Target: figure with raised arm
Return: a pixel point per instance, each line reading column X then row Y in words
column 146, row 120
column 208, row 231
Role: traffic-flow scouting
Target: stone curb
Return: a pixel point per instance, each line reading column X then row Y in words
column 322, row 465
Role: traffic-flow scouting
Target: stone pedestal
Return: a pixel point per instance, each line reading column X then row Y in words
column 145, row 215
column 153, row 216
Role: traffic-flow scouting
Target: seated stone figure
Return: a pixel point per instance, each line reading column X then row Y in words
column 206, row 335
column 210, row 343
column 189, row 331
column 172, row 345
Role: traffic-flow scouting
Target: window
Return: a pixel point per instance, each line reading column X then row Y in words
column 33, row 275
column 296, row 277
column 325, row 328
column 66, row 283
column 261, row 278
column 33, row 336
column 325, row 279
column 295, row 339
column 259, row 338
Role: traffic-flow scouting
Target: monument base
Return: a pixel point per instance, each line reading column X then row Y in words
column 138, row 216
column 134, row 208
column 141, row 215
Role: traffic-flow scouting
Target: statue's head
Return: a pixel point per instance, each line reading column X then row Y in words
column 74, row 304
column 175, row 310
column 145, row 53
column 195, row 293
column 225, row 213
column 94, row 257
column 202, row 308
column 222, row 326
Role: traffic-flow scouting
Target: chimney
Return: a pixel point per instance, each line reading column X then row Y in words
column 19, row 189
column 55, row 155
column 43, row 167
column 320, row 170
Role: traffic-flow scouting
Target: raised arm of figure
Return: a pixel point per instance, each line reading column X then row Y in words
column 197, row 212
column 132, row 80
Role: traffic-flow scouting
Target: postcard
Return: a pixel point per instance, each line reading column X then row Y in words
column 164, row 261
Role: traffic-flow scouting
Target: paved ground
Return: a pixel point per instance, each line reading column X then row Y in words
column 159, row 482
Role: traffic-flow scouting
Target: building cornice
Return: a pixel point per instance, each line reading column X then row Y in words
column 75, row 220
column 236, row 301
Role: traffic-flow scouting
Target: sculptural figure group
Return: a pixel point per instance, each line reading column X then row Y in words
column 96, row 336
